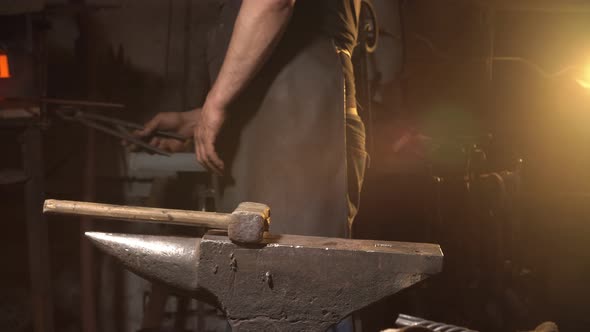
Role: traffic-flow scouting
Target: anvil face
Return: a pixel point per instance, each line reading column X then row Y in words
column 289, row 283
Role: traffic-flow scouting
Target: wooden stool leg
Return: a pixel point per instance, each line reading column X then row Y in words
column 154, row 311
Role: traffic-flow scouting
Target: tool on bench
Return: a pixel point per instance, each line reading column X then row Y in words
column 246, row 224
column 118, row 128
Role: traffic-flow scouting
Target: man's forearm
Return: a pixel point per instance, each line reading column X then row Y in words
column 258, row 28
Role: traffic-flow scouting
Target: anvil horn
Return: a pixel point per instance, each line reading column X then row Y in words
column 167, row 259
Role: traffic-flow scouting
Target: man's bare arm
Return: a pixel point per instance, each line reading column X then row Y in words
column 258, row 28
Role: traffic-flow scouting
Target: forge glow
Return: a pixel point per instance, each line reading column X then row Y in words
column 4, row 69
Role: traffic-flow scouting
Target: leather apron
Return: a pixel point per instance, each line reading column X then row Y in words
column 284, row 138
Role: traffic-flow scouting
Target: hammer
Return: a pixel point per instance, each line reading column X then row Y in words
column 246, row 224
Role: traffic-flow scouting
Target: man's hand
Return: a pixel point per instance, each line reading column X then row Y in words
column 210, row 121
column 182, row 123
column 258, row 28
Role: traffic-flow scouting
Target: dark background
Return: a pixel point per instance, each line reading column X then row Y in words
column 516, row 255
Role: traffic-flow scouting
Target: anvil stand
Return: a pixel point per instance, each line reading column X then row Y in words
column 159, row 170
column 28, row 118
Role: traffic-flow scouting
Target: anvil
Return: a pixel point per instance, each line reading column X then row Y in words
column 286, row 283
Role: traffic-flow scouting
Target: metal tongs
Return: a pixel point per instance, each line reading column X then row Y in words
column 117, row 128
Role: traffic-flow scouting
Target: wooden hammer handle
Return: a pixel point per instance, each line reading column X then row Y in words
column 138, row 214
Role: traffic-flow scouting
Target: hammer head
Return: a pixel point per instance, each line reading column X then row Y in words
column 248, row 223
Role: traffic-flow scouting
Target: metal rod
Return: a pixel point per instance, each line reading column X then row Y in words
column 67, row 102
column 120, row 135
column 128, row 124
column 407, row 320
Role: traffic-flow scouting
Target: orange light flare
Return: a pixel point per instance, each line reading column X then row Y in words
column 584, row 81
column 4, row 69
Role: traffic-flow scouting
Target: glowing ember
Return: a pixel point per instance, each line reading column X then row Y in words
column 4, row 70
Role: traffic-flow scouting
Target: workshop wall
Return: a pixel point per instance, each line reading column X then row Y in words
column 144, row 55
column 439, row 87
column 454, row 95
